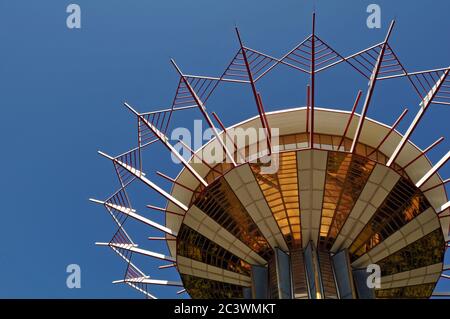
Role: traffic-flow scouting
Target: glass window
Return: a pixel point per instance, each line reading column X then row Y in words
column 201, row 288
column 428, row 250
column 192, row 244
column 220, row 203
column 402, row 204
column 346, row 176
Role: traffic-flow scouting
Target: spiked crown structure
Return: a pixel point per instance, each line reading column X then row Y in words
column 349, row 192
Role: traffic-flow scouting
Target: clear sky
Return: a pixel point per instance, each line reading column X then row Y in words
column 61, row 96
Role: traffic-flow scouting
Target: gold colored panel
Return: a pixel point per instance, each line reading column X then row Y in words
column 220, row 203
column 281, row 193
column 347, row 174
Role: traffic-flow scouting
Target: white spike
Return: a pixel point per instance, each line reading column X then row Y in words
column 123, row 246
column 152, row 185
column 146, row 280
column 96, row 201
column 444, row 208
column 433, row 170
column 202, row 109
column 426, row 102
column 141, row 290
column 167, row 266
column 158, row 238
column 135, row 249
column 131, row 108
column 127, row 260
column 165, row 140
column 132, row 213
column 179, row 292
column 105, row 155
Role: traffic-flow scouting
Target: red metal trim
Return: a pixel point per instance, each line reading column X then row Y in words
column 429, row 148
column 162, row 238
column 264, row 115
column 255, row 92
column 167, row 266
column 170, row 179
column 197, row 156
column 420, row 114
column 308, row 89
column 202, row 109
column 352, row 114
column 443, row 183
column 164, row 210
column 313, row 81
column 394, row 126
column 267, row 129
column 372, row 83
column 224, row 129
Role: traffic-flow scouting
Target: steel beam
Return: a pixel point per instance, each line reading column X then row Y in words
column 313, row 82
column 202, row 109
column 429, row 148
column 132, row 213
column 372, row 83
column 350, row 118
column 148, row 281
column 256, row 95
column 165, row 140
column 426, row 102
column 148, row 182
column 135, row 249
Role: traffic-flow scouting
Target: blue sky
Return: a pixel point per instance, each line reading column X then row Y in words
column 61, row 98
